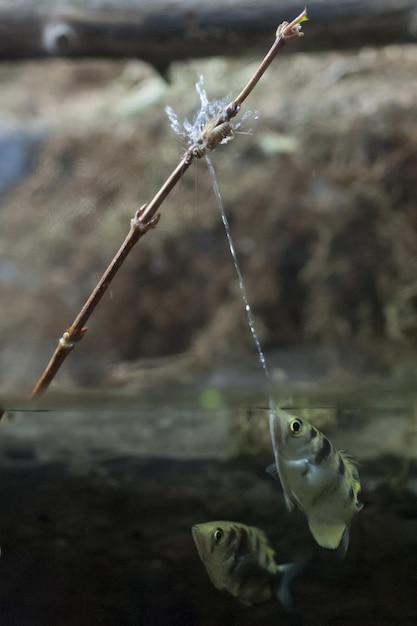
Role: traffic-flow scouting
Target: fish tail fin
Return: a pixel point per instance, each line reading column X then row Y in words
column 287, row 573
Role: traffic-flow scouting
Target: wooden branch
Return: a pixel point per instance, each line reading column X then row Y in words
column 215, row 132
column 160, row 32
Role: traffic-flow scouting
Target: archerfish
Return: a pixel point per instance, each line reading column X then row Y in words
column 315, row 477
column 240, row 560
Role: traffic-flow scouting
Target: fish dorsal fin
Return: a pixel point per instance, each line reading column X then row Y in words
column 328, row 534
column 348, row 457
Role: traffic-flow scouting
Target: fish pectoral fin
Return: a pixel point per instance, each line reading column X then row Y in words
column 273, row 471
column 247, row 563
column 254, row 595
column 328, row 534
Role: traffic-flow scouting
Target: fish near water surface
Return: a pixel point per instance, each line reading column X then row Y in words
column 240, row 560
column 315, row 477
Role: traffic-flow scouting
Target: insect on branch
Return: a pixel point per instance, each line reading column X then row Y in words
column 217, row 131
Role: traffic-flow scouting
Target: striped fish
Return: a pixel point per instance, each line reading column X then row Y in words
column 240, row 560
column 315, row 477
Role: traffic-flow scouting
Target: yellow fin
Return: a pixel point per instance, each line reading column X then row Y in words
column 351, row 463
column 327, row 534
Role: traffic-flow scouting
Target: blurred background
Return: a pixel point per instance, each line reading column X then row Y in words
column 319, row 190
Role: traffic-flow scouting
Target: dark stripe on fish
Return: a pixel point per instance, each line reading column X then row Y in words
column 341, row 469
column 313, row 432
column 230, row 539
column 243, row 544
column 324, row 452
column 351, row 494
column 242, row 552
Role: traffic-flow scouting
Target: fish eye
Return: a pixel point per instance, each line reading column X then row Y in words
column 296, row 427
column 218, row 534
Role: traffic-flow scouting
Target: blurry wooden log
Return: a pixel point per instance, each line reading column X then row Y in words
column 160, row 31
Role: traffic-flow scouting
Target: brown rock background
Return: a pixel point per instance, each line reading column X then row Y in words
column 320, row 196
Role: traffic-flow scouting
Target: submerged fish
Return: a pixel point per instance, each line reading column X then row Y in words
column 315, row 477
column 240, row 560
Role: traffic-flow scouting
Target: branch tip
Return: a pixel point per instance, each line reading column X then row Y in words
column 292, row 30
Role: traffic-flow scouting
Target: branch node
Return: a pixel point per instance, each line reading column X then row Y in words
column 65, row 342
column 71, row 337
column 216, row 131
column 77, row 335
column 138, row 224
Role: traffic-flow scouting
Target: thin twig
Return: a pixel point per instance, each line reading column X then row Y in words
column 217, row 130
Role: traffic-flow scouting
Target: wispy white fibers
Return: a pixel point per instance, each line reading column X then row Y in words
column 242, row 286
column 190, row 131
